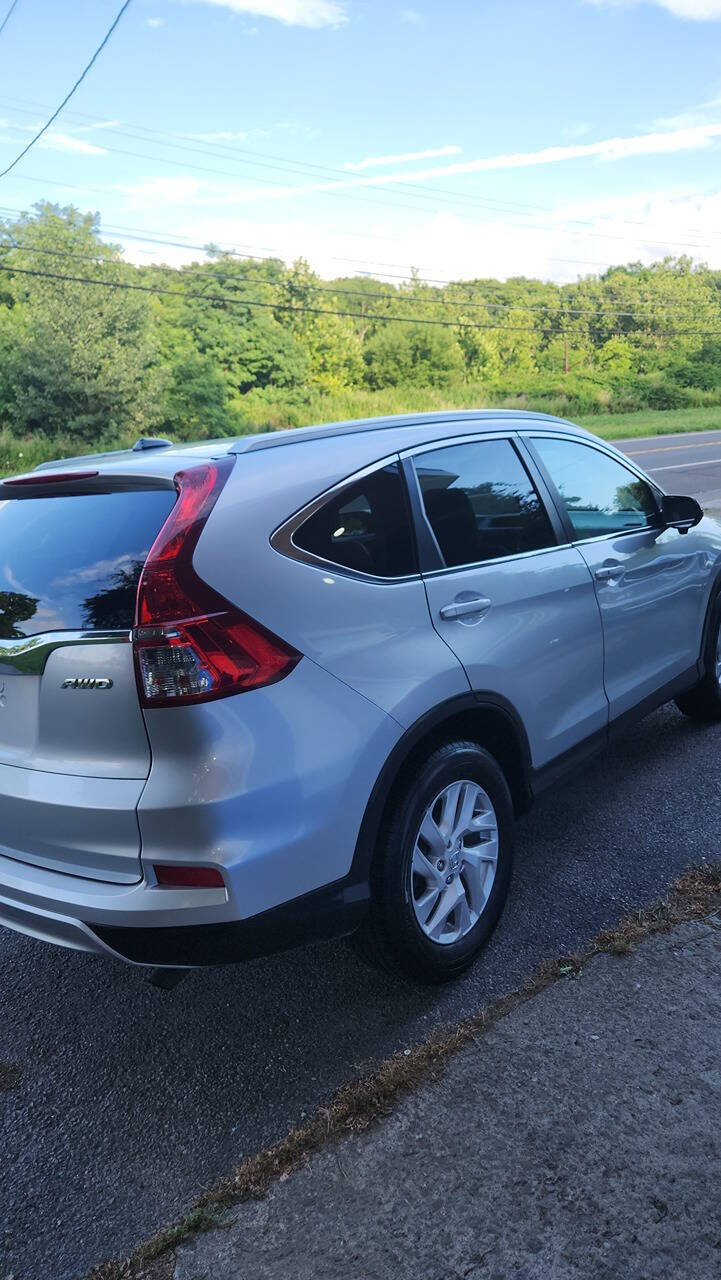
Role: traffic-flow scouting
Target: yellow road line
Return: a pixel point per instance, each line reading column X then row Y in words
column 670, row 448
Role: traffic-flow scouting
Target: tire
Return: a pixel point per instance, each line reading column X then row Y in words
column 393, row 935
column 704, row 701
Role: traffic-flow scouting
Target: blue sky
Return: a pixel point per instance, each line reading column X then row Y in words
column 544, row 137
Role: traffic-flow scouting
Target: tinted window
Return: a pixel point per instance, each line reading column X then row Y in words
column 600, row 494
column 481, row 503
column 74, row 562
column 366, row 527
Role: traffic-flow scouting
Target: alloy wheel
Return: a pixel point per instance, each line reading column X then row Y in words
column 454, row 861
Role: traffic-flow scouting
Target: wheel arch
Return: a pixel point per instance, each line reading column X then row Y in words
column 485, row 718
column 713, row 597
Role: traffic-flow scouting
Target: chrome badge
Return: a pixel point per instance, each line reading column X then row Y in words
column 87, row 682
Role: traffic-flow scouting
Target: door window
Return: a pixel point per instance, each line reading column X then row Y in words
column 481, row 502
column 365, row 527
column 600, row 495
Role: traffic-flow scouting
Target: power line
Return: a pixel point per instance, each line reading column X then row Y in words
column 133, row 233
column 259, row 158
column 8, row 15
column 68, row 95
column 554, row 310
column 306, row 310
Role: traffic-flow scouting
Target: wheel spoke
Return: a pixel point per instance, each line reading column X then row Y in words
column 479, row 872
column 466, row 804
column 449, row 808
column 432, row 835
column 424, row 905
column 464, row 919
column 422, row 866
column 446, row 905
column 481, row 855
column 486, row 821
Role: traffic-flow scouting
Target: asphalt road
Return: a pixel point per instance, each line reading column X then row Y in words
column 682, row 464
column 131, row 1100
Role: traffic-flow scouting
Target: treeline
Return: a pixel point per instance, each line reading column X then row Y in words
column 96, row 351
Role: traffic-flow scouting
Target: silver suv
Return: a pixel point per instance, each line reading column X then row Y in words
column 292, row 686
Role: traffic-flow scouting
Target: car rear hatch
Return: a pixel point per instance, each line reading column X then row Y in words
column 74, row 753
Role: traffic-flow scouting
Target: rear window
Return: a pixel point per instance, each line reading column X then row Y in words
column 73, row 562
column 366, row 527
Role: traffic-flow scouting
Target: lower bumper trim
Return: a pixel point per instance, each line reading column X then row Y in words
column 331, row 912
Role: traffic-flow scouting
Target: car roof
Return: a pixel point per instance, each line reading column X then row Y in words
column 481, row 419
column 161, row 455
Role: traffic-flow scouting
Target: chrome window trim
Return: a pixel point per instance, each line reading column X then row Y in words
column 281, row 540
column 487, row 564
column 479, row 437
column 447, row 442
column 29, row 654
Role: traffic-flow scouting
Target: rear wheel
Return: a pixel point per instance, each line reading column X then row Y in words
column 443, row 865
column 704, row 701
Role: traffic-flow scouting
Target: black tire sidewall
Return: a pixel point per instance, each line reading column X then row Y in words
column 415, row 952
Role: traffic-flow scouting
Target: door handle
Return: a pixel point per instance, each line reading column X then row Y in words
column 608, row 572
column 459, row 608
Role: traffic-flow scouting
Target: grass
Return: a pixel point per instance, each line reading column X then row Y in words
column 651, row 422
column 366, row 1101
column 17, row 455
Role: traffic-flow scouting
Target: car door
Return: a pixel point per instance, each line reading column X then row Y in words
column 516, row 607
column 650, row 581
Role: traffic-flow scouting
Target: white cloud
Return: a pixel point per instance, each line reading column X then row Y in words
column 694, row 10
column 161, row 193
column 52, row 141
column 697, row 114
column 373, row 162
column 412, row 17
column 154, row 22
column 571, row 240
column 55, row 140
column 648, row 144
column 294, row 13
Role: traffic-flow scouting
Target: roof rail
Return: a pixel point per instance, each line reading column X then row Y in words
column 151, row 442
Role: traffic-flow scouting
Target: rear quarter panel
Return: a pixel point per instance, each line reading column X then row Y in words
column 374, row 636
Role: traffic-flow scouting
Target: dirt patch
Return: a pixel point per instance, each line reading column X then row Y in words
column 367, row 1100
column 10, row 1074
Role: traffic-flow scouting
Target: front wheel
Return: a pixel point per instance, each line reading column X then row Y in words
column 443, row 866
column 704, row 701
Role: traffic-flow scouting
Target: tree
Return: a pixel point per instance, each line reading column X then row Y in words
column 420, row 355
column 75, row 358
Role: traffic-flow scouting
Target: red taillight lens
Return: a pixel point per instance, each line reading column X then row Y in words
column 189, row 877
column 190, row 643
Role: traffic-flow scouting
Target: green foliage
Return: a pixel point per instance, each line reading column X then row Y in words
column 413, row 354
column 73, row 357
column 228, row 345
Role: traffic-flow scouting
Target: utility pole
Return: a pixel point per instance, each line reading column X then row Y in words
column 565, row 360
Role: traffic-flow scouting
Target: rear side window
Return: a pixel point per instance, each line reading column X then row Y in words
column 73, row 562
column 481, row 503
column 600, row 495
column 365, row 527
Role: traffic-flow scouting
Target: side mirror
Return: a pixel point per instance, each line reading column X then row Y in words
column 679, row 512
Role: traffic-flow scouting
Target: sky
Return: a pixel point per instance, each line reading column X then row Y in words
column 461, row 139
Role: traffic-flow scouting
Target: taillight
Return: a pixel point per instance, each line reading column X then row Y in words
column 190, row 643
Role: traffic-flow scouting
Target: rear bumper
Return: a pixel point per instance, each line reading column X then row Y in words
column 270, row 787
column 139, row 924
column 69, row 910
